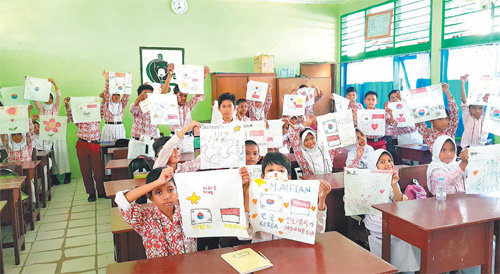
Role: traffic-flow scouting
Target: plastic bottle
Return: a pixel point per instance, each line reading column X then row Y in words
column 441, row 190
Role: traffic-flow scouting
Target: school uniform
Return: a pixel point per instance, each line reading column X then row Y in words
column 19, row 152
column 143, row 134
column 405, row 135
column 89, row 156
column 184, row 119
column 473, row 134
column 430, row 134
column 112, row 112
column 60, row 164
column 352, row 160
column 41, row 144
column 378, row 141
column 354, row 107
column 161, row 236
column 260, row 114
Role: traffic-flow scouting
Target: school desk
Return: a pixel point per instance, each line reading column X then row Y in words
column 128, row 243
column 415, row 152
column 30, row 171
column 451, row 235
column 2, row 205
column 10, row 191
column 332, row 253
column 112, row 187
column 43, row 157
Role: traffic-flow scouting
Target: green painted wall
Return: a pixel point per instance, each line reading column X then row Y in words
column 436, row 29
column 74, row 40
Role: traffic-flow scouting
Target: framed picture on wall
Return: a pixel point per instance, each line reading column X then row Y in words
column 154, row 63
column 378, row 25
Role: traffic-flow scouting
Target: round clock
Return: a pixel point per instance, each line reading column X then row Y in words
column 179, row 6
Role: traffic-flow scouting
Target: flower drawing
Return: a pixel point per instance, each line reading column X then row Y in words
column 52, row 125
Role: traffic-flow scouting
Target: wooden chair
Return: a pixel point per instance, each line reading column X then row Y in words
column 120, row 153
column 339, row 162
column 407, row 174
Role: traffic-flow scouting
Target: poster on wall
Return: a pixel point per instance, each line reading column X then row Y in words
column 378, row 25
column 154, row 63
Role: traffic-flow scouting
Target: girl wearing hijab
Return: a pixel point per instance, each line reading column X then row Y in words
column 60, row 163
column 19, row 146
column 403, row 256
column 257, row 110
column 357, row 156
column 311, row 157
column 112, row 111
column 444, row 165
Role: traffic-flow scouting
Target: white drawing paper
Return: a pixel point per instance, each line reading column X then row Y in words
column 145, row 104
column 341, row 103
column 255, row 171
column 479, row 87
column 287, row 209
column 222, row 146
column 14, row 119
column 212, row 203
column 157, row 88
column 257, row 91
column 85, row 109
column 274, row 134
column 190, row 78
column 402, row 114
column 483, row 170
column 336, row 130
column 294, row 105
column 120, row 83
column 372, row 121
column 14, row 96
column 37, row 89
column 364, row 188
column 425, row 103
column 164, row 109
column 53, row 127
column 491, row 122
column 309, row 94
column 256, row 131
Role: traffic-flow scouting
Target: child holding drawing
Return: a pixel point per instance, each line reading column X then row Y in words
column 473, row 118
column 378, row 141
column 441, row 126
column 112, row 111
column 19, row 146
column 242, row 110
column 258, row 111
column 404, row 135
column 60, row 165
column 351, row 94
column 357, row 155
column 276, row 165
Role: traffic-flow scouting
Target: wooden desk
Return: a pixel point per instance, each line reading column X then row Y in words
column 112, row 187
column 119, row 168
column 43, row 157
column 2, row 270
column 10, row 190
column 332, row 253
column 30, row 171
column 454, row 234
column 415, row 152
column 128, row 243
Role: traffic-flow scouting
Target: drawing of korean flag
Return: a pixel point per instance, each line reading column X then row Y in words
column 201, row 216
column 271, row 202
column 230, row 215
column 300, row 207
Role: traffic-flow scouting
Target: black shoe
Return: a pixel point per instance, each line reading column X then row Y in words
column 102, row 196
column 67, row 178
column 91, row 198
column 55, row 181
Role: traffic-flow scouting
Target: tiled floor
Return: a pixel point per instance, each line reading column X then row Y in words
column 73, row 235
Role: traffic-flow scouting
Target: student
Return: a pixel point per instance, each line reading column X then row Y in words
column 378, row 141
column 441, row 126
column 258, row 111
column 112, row 111
column 311, row 157
column 161, row 226
column 60, row 165
column 19, row 146
column 89, row 156
column 444, row 165
column 403, row 255
column 170, row 154
column 351, row 94
column 357, row 155
column 226, row 107
column 37, row 143
column 404, row 135
column 252, row 153
column 242, row 110
column 473, row 118
column 276, row 165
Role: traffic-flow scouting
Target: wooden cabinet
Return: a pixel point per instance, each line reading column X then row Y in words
column 319, row 70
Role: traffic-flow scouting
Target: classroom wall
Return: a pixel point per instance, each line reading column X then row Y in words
column 436, row 31
column 73, row 41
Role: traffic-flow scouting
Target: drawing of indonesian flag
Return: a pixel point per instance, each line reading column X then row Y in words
column 85, row 109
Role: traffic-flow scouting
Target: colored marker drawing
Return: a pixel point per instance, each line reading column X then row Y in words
column 14, row 119
column 222, row 146
column 483, row 170
column 164, row 109
column 190, row 79
column 85, row 109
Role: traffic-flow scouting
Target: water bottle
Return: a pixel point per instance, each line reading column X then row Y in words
column 441, row 190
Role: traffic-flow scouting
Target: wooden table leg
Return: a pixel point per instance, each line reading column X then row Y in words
column 41, row 172
column 386, row 239
column 497, row 247
column 16, row 230
column 31, row 215
column 2, row 269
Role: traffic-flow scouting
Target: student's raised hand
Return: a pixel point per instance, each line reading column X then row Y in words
column 170, row 68
column 165, row 176
column 267, row 124
column 35, row 117
column 194, row 124
column 486, row 97
column 30, row 108
column 446, row 89
column 51, row 81
column 395, row 178
column 269, row 88
column 105, row 74
column 359, row 152
column 245, row 177
column 66, row 101
column 464, row 78
column 324, row 189
column 142, row 96
column 464, row 155
column 206, row 72
column 309, row 120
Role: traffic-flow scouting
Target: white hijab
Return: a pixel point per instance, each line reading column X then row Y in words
column 17, row 146
column 115, row 108
column 436, row 162
column 318, row 159
column 49, row 106
column 375, row 156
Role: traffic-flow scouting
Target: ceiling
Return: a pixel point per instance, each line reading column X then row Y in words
column 331, row 2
